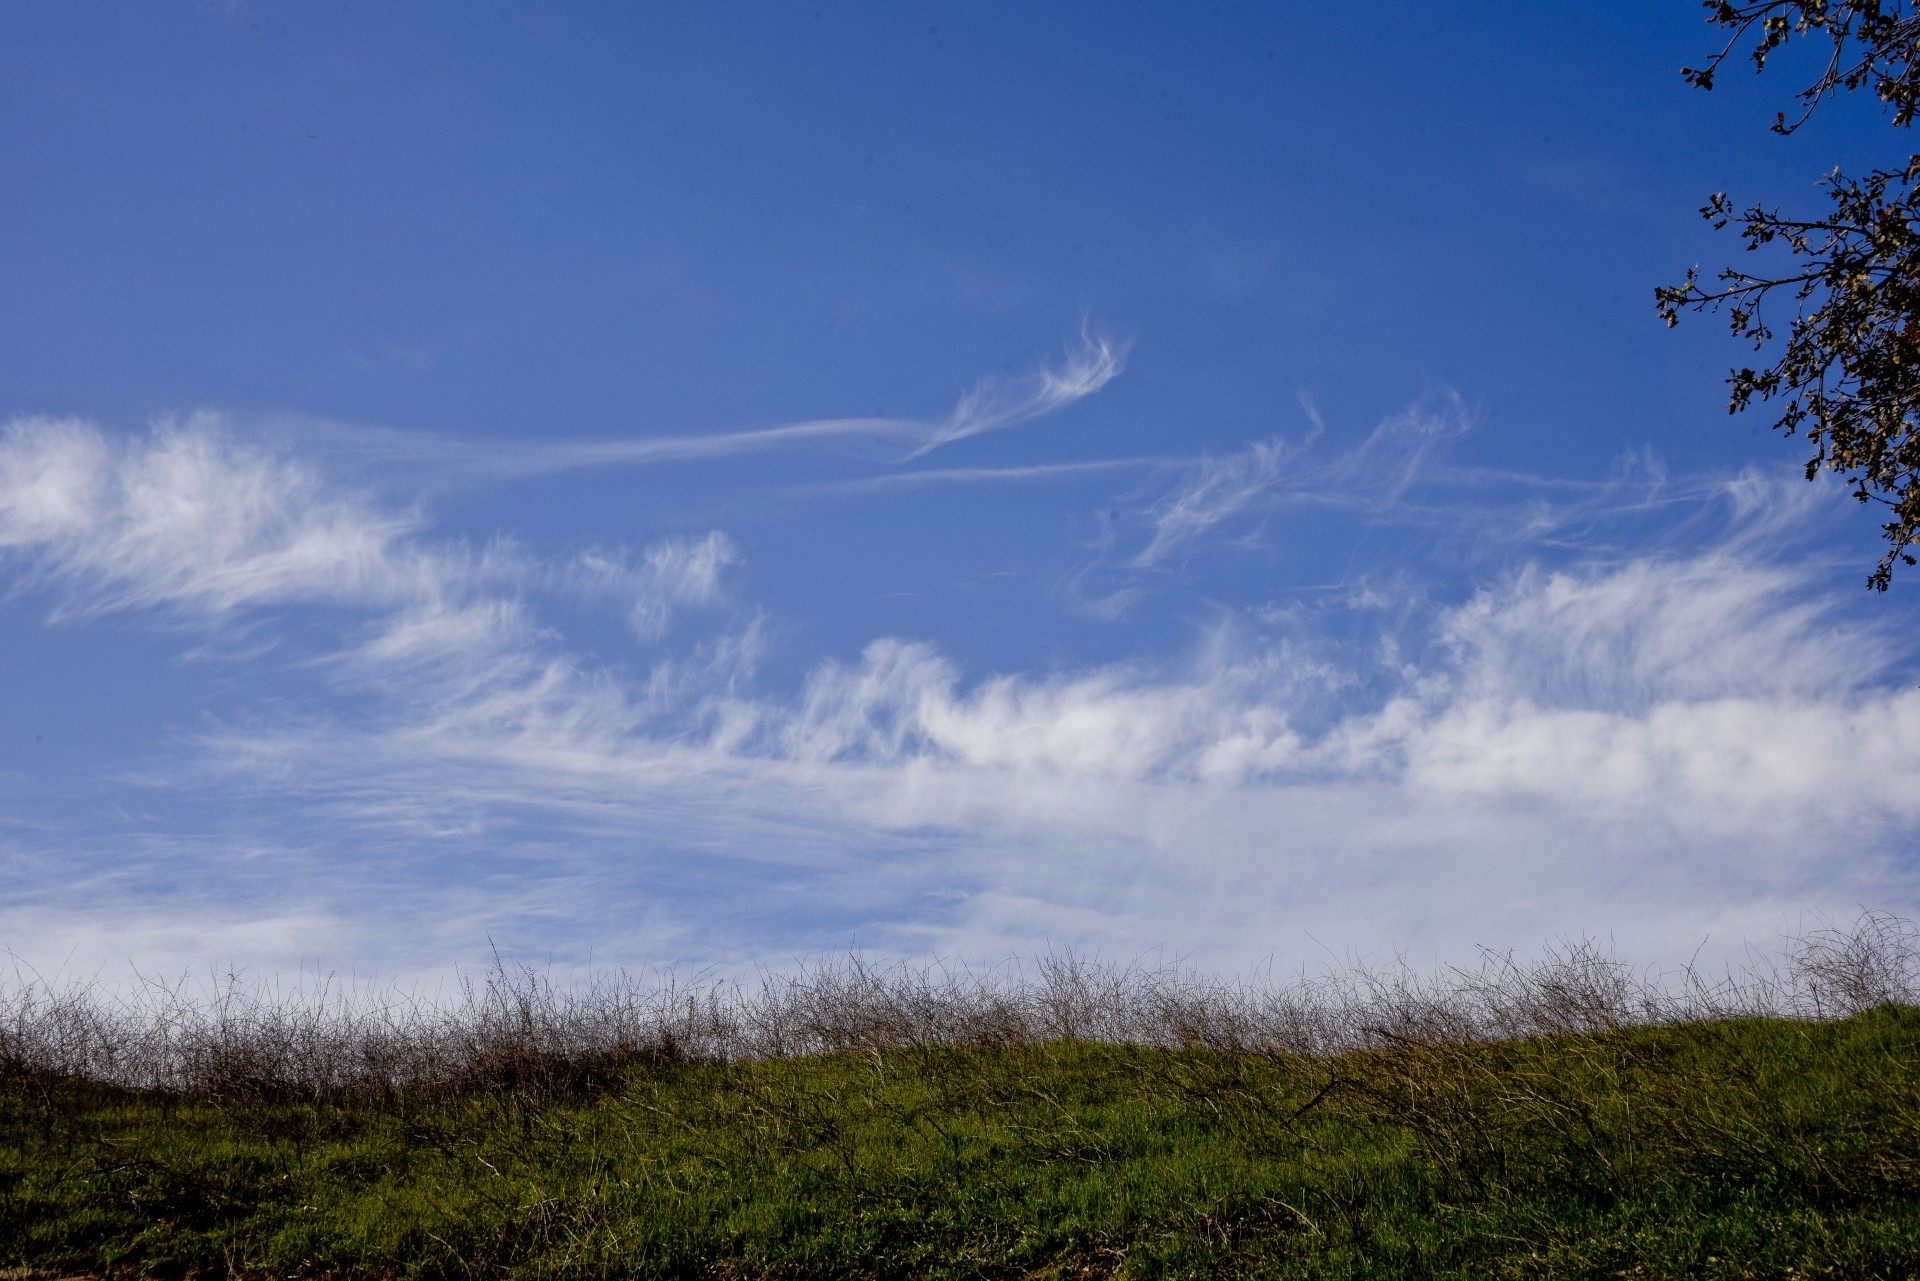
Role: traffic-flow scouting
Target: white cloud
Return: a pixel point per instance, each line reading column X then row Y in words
column 1663, row 744
column 194, row 520
column 191, row 520
column 668, row 575
column 1373, row 477
column 1709, row 625
column 992, row 404
column 1396, row 454
column 990, row 475
column 1118, row 807
column 1220, row 488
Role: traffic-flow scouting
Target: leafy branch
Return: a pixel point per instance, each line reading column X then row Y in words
column 1873, row 43
column 1848, row 375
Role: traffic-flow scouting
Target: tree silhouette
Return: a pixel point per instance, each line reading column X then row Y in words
column 1847, row 377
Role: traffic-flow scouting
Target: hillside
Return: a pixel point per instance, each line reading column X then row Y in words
column 1747, row 1147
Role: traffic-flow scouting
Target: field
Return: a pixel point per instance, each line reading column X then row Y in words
column 1559, row 1119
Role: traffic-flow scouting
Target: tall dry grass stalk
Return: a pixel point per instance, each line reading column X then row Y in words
column 518, row 1029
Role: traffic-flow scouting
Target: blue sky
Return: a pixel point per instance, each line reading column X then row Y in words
column 707, row 484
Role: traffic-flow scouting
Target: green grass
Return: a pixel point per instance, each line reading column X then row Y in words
column 1748, row 1148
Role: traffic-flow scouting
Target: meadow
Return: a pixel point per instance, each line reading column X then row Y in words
column 1565, row 1116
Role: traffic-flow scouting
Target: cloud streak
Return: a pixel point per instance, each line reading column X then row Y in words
column 1374, row 476
column 992, row 475
column 190, row 520
column 992, row 404
column 1687, row 739
column 1201, row 811
column 1219, row 489
column 669, row 575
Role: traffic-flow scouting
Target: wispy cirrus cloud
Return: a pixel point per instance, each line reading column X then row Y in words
column 992, row 404
column 995, row 404
column 666, row 576
column 189, row 519
column 1202, row 809
column 1220, row 488
column 1373, row 475
column 1691, row 737
column 994, row 475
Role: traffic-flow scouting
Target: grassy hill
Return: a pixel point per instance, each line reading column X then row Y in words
column 1417, row 1146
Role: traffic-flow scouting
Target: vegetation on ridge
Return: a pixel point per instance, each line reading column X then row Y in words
column 1388, row 1127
